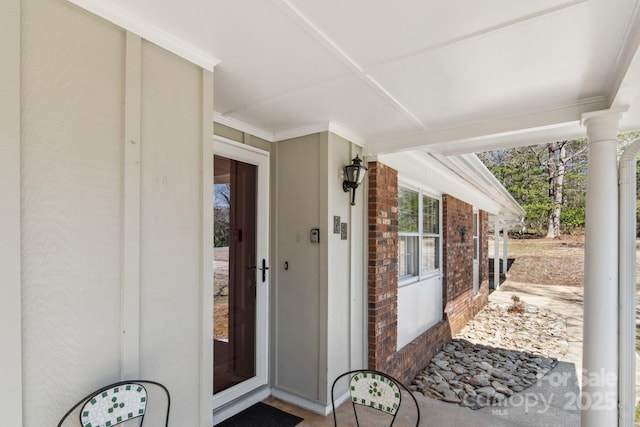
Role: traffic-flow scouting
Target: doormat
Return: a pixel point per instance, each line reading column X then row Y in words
column 261, row 415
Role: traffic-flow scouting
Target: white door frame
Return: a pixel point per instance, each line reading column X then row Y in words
column 247, row 154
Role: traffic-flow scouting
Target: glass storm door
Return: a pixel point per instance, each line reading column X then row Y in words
column 240, row 282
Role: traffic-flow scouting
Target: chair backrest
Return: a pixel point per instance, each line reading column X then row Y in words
column 376, row 390
column 115, row 404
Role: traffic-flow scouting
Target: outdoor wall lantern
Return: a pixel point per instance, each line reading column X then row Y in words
column 462, row 231
column 353, row 177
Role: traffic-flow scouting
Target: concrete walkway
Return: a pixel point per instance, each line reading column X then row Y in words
column 563, row 300
column 552, row 401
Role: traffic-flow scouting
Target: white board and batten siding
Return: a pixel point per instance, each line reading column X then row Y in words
column 102, row 225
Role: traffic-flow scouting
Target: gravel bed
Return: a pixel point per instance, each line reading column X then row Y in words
column 496, row 355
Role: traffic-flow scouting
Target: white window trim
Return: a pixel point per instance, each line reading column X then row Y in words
column 422, row 274
column 476, row 234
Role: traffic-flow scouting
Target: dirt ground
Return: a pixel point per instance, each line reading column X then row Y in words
column 543, row 261
column 557, row 261
column 220, row 293
column 553, row 262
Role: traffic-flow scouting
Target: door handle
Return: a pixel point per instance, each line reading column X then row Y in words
column 264, row 270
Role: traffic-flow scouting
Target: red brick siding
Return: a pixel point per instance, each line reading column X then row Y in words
column 413, row 357
column 382, row 265
column 457, row 256
column 459, row 303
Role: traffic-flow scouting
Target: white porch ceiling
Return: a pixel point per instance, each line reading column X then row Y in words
column 446, row 76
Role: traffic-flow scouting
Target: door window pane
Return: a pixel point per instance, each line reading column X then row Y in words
column 234, row 279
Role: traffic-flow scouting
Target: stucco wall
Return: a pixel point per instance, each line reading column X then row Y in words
column 85, row 85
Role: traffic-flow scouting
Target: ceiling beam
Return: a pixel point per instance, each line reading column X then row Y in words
column 484, row 133
column 626, row 81
column 569, row 132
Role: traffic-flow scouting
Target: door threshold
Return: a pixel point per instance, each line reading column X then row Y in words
column 232, row 408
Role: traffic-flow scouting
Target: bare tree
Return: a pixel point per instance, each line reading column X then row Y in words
column 556, row 167
column 547, row 180
column 561, row 154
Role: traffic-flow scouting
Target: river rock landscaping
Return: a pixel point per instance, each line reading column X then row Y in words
column 499, row 353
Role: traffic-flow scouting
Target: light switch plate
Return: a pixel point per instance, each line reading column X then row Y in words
column 336, row 225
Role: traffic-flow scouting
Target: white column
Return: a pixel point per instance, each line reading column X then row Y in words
column 600, row 336
column 496, row 253
column 505, row 238
column 10, row 220
column 627, row 286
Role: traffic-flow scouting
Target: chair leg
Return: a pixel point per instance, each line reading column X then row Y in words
column 355, row 413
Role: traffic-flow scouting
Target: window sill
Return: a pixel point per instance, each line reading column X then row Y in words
column 408, row 281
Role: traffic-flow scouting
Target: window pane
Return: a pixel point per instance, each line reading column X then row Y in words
column 407, row 210
column 430, row 253
column 475, row 247
column 475, row 225
column 430, row 215
column 407, row 256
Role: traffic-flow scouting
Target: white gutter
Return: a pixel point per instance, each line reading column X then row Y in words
column 511, row 214
column 474, row 172
column 476, row 164
column 627, row 285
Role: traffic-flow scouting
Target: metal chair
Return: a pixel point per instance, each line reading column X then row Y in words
column 115, row 404
column 376, row 390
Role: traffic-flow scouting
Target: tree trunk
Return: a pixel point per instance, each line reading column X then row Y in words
column 557, row 168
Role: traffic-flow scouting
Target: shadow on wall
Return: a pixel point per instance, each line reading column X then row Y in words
column 503, row 276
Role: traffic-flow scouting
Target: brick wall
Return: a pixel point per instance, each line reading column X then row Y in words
column 413, row 357
column 457, row 238
column 459, row 303
column 382, row 266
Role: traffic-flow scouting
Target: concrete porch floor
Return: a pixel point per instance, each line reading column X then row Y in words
column 553, row 401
